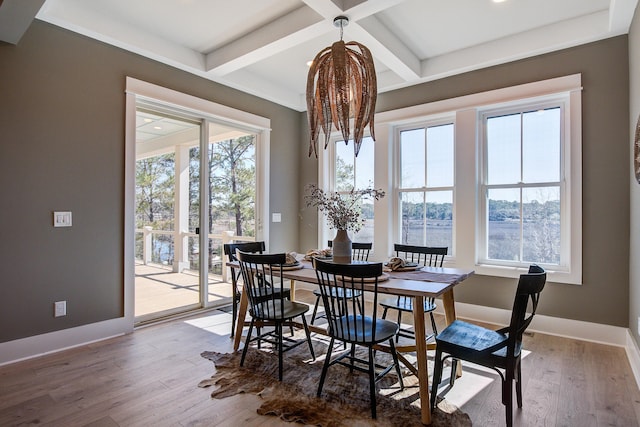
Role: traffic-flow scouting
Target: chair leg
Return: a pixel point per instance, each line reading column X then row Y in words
column 353, row 355
column 384, row 312
column 507, row 397
column 454, row 371
column 246, row 343
column 308, row 334
column 437, row 376
column 280, row 350
column 372, row 383
column 433, row 324
column 315, row 310
column 234, row 310
column 325, row 367
column 395, row 362
column 259, row 340
column 518, row 384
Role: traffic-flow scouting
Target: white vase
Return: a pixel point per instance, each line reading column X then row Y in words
column 342, row 248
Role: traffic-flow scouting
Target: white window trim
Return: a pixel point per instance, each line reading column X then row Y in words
column 140, row 90
column 467, row 163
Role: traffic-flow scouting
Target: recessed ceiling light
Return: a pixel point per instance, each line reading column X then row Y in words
column 158, row 127
column 147, row 120
column 499, row 1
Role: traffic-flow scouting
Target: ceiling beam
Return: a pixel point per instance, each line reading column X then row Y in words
column 309, row 22
column 290, row 30
column 15, row 18
column 387, row 48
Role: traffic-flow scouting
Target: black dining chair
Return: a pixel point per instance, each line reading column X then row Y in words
column 423, row 256
column 266, row 307
column 354, row 321
column 230, row 252
column 499, row 350
column 359, row 252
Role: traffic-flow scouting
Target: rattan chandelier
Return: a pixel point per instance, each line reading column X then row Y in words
column 341, row 85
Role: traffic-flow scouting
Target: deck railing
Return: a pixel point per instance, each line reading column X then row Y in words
column 182, row 254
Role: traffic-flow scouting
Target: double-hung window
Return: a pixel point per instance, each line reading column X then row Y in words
column 426, row 184
column 522, row 186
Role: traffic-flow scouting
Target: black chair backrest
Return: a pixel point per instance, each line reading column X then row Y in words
column 258, row 274
column 253, row 247
column 342, row 287
column 359, row 251
column 423, row 255
column 530, row 286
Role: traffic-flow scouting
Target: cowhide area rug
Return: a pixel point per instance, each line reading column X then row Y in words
column 345, row 395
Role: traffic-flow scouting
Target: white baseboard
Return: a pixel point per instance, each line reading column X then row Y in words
column 39, row 345
column 575, row 329
column 633, row 354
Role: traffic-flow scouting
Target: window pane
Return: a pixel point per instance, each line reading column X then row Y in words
column 345, row 166
column 541, row 145
column 364, row 164
column 503, row 149
column 504, row 224
column 439, row 219
column 358, row 171
column 541, row 224
column 412, row 230
column 365, row 235
column 233, row 186
column 440, row 156
column 412, row 158
column 427, row 218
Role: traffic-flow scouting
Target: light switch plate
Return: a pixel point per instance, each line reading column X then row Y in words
column 62, row 219
column 60, row 308
column 276, row 217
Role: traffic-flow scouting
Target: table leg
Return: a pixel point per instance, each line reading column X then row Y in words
column 242, row 313
column 449, row 307
column 450, row 316
column 293, row 290
column 421, row 353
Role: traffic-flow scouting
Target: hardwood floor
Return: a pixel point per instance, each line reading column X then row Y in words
column 150, row 377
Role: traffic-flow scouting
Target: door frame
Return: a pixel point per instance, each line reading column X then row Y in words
column 207, row 111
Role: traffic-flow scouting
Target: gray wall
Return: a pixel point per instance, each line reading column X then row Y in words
column 603, row 297
column 62, row 148
column 634, row 107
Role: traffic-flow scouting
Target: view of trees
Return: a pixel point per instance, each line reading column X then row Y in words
column 155, row 179
column 233, row 185
column 231, row 195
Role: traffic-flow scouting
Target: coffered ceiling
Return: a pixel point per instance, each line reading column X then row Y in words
column 262, row 46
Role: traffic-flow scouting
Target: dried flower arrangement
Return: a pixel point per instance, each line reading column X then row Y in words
column 343, row 211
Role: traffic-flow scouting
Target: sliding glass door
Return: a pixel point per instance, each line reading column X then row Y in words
column 179, row 263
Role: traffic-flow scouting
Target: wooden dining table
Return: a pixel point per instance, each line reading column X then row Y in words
column 427, row 282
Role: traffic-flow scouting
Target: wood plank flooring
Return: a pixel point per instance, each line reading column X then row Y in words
column 150, row 377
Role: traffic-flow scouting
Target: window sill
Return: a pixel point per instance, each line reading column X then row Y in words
column 515, row 272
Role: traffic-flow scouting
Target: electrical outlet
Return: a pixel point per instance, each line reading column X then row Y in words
column 59, row 308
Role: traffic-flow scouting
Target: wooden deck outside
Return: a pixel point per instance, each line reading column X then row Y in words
column 158, row 288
